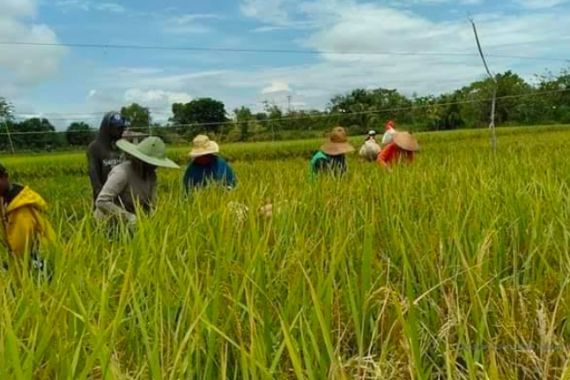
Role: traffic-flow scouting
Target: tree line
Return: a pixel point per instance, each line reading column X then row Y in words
column 544, row 101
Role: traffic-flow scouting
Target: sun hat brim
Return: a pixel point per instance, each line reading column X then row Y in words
column 133, row 150
column 335, row 149
column 211, row 148
column 406, row 141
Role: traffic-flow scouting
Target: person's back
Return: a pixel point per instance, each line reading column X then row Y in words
column 369, row 150
column 25, row 227
column 207, row 166
column 205, row 169
column 402, row 149
column 388, row 136
column 331, row 158
column 323, row 163
column 125, row 188
column 102, row 154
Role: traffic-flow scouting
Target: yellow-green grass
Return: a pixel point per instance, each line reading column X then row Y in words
column 454, row 267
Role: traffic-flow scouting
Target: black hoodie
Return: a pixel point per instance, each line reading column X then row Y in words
column 102, row 153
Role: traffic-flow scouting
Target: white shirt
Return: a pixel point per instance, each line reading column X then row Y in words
column 388, row 136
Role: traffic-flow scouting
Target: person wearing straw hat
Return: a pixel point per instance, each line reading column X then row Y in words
column 402, row 149
column 388, row 136
column 133, row 182
column 207, row 166
column 331, row 158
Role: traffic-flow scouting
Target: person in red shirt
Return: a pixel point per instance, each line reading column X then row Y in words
column 401, row 149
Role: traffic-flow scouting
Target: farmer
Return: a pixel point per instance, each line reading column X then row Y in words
column 370, row 149
column 371, row 136
column 331, row 157
column 390, row 128
column 402, row 149
column 133, row 182
column 25, row 227
column 102, row 153
column 207, row 166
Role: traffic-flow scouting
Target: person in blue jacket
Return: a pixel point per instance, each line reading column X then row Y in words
column 331, row 158
column 207, row 166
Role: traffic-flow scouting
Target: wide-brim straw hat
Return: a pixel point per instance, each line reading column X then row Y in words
column 151, row 150
column 337, row 143
column 202, row 146
column 406, row 141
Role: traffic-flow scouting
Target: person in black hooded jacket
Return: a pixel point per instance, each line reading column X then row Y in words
column 102, row 154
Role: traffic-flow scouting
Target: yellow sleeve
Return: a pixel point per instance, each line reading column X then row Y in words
column 21, row 230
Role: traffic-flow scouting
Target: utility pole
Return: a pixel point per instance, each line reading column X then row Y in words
column 288, row 103
column 495, row 85
column 5, row 121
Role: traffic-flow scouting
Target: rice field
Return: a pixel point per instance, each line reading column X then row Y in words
column 453, row 268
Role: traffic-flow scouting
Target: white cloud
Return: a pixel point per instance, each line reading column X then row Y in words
column 22, row 66
column 110, row 7
column 350, row 26
column 192, row 23
column 340, row 27
column 88, row 5
column 540, row 4
column 159, row 101
column 276, row 87
column 191, row 17
column 17, row 8
column 156, row 98
column 267, row 11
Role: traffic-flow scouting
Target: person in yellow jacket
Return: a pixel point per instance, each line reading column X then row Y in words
column 25, row 227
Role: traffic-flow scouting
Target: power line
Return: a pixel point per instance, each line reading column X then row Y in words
column 160, row 111
column 70, row 116
column 272, row 51
column 323, row 116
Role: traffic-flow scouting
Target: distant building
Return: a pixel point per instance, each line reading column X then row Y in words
column 134, row 137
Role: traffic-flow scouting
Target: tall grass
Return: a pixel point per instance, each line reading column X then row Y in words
column 455, row 267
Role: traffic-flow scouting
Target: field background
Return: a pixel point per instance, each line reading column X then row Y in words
column 454, row 267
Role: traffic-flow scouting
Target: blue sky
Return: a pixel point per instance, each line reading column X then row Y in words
column 70, row 83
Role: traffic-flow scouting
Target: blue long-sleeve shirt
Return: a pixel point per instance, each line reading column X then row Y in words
column 217, row 170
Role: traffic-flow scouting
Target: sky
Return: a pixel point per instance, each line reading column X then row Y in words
column 351, row 44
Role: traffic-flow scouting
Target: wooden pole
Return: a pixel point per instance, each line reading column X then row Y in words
column 9, row 135
column 494, row 80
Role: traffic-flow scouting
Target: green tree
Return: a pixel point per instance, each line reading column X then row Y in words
column 79, row 134
column 275, row 119
column 5, row 124
column 35, row 134
column 5, row 109
column 553, row 105
column 137, row 115
column 244, row 117
column 370, row 108
column 199, row 115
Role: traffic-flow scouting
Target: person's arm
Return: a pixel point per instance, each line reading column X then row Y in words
column 115, row 185
column 186, row 179
column 95, row 172
column 230, row 178
column 21, row 231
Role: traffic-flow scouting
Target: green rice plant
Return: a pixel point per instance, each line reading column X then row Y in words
column 454, row 267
